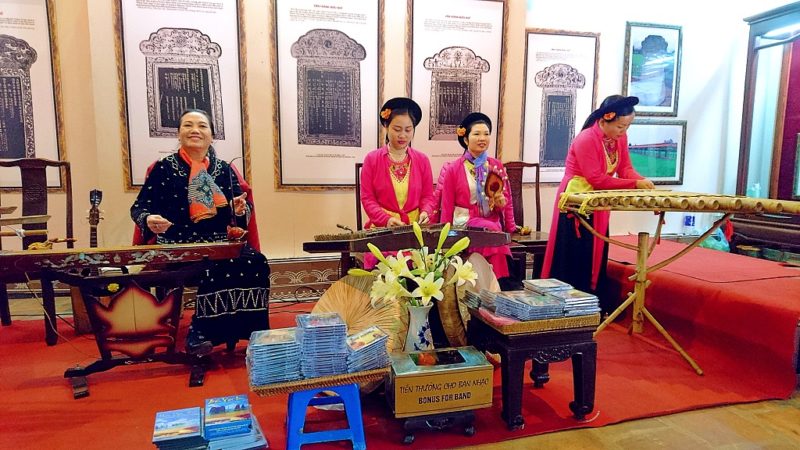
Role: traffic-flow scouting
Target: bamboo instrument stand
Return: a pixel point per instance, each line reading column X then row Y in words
column 637, row 297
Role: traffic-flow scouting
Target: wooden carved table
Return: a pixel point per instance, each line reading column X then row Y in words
column 545, row 344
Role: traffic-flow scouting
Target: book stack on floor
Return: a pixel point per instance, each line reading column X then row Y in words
column 224, row 423
column 273, row 356
column 526, row 305
column 323, row 346
column 180, row 429
column 229, row 424
column 367, row 350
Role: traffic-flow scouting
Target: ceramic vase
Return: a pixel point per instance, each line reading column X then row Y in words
column 419, row 330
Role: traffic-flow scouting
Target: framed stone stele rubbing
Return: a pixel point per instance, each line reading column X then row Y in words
column 30, row 98
column 329, row 88
column 560, row 92
column 179, row 55
column 326, row 71
column 456, row 49
column 455, row 89
column 182, row 72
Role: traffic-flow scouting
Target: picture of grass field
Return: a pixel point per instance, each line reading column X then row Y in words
column 656, row 149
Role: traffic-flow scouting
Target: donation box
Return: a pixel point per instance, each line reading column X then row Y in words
column 439, row 381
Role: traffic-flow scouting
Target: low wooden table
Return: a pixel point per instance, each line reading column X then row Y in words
column 544, row 342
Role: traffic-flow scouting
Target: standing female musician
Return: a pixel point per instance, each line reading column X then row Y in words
column 599, row 152
column 396, row 180
column 192, row 196
column 463, row 180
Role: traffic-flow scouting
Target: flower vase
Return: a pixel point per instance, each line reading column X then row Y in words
column 419, row 330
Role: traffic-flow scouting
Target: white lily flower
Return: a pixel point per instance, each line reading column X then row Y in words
column 394, row 288
column 427, row 288
column 397, row 265
column 463, row 272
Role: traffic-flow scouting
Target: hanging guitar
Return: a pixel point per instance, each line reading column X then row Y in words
column 79, row 315
column 95, row 197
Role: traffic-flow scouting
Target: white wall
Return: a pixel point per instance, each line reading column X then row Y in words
column 711, row 81
column 710, row 100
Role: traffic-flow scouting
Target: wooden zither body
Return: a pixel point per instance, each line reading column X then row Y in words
column 663, row 200
column 60, row 264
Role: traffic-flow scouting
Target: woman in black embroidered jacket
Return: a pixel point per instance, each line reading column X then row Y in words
column 192, row 196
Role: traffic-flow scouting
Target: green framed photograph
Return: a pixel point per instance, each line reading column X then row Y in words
column 796, row 185
column 657, row 149
column 652, row 69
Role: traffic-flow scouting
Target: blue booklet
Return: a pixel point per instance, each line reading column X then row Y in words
column 226, row 416
column 254, row 439
column 178, row 425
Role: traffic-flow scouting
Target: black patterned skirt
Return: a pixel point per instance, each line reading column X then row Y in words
column 233, row 298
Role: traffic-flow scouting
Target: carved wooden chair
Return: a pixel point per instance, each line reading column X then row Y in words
column 33, row 173
column 359, row 212
column 535, row 243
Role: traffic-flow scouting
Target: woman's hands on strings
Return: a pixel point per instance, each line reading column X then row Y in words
column 158, row 224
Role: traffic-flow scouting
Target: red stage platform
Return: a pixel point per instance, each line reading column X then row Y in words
column 748, row 308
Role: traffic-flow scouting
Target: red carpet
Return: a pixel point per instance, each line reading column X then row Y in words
column 635, row 379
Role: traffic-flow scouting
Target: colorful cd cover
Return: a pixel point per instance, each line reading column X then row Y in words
column 178, row 424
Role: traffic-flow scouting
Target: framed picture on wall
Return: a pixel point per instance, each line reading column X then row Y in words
column 657, row 149
column 326, row 68
column 796, row 184
column 652, row 68
column 177, row 56
column 560, row 92
column 456, row 49
column 30, row 94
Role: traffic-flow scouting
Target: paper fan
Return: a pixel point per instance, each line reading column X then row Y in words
column 349, row 297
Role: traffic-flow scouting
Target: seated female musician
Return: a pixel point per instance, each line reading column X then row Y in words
column 464, row 202
column 596, row 155
column 192, row 196
column 396, row 180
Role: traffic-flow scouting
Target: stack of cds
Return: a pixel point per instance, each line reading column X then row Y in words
column 367, row 350
column 546, row 285
column 322, row 344
column 227, row 416
column 526, row 305
column 487, row 299
column 578, row 303
column 179, row 429
column 472, row 299
column 273, row 356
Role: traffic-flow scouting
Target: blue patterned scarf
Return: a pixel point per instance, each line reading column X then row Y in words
column 480, row 180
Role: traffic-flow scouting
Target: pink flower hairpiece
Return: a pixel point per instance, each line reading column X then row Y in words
column 386, row 113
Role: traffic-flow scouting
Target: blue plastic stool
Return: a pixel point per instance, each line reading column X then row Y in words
column 299, row 401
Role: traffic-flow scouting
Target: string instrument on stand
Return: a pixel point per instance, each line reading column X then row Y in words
column 79, row 316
